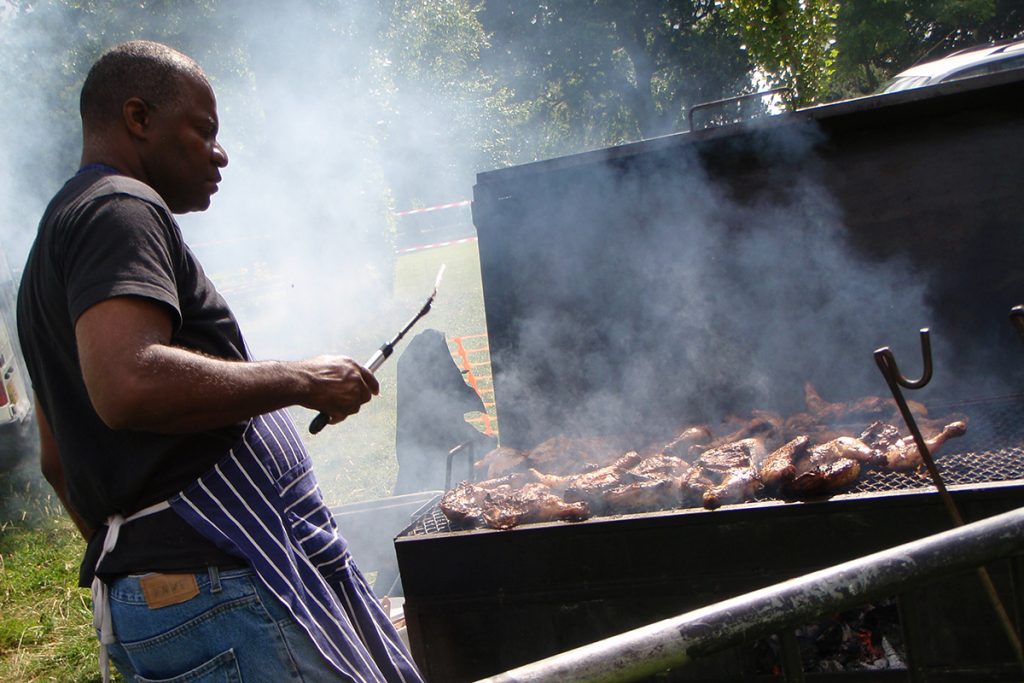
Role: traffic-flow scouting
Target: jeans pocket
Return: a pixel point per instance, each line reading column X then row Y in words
column 221, row 669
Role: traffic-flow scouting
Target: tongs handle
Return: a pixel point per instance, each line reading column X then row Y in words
column 376, row 360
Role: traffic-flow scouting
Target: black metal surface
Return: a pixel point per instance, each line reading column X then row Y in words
column 588, row 263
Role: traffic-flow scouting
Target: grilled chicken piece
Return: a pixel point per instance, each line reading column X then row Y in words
column 687, row 439
column 463, row 505
column 563, row 455
column 779, row 467
column 742, row 453
column 730, row 471
column 837, row 449
column 738, row 484
column 661, row 466
column 590, row 487
column 880, row 435
column 764, row 426
column 500, row 462
column 600, row 478
column 867, row 408
column 646, row 495
column 823, row 479
column 692, row 487
column 904, row 454
column 531, row 503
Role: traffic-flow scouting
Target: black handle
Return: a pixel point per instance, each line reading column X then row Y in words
column 318, row 423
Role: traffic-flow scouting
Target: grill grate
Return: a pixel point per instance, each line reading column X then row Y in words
column 991, row 451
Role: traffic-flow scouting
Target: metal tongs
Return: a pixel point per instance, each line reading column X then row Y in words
column 386, row 349
column 895, row 379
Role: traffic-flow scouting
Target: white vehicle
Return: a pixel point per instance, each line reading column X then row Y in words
column 17, row 430
column 975, row 61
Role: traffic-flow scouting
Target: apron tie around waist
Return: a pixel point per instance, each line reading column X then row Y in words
column 100, row 605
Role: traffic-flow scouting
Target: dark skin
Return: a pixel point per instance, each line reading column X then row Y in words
column 136, row 379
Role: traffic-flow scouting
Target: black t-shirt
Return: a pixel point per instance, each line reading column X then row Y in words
column 104, row 236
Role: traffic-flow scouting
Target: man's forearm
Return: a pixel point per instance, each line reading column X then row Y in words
column 138, row 381
column 178, row 390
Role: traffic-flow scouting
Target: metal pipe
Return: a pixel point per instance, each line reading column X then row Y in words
column 673, row 642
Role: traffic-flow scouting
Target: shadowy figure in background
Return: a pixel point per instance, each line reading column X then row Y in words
column 433, row 399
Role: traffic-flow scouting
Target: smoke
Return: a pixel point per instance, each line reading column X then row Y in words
column 327, row 136
column 639, row 294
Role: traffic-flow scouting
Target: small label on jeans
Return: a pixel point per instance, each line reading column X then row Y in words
column 161, row 590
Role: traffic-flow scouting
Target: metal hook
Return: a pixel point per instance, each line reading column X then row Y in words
column 887, row 364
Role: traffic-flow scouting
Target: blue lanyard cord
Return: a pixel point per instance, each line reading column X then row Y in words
column 102, row 168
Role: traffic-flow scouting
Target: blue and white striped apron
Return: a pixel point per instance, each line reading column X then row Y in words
column 262, row 502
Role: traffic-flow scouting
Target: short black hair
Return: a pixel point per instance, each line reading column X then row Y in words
column 139, row 68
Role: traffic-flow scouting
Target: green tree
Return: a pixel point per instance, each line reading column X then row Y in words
column 602, row 72
column 876, row 39
column 790, row 41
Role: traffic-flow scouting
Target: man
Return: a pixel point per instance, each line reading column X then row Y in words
column 209, row 546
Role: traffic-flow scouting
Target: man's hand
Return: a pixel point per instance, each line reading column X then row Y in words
column 341, row 386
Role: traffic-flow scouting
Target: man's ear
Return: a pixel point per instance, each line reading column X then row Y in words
column 136, row 115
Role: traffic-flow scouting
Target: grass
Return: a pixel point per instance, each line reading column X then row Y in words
column 46, row 631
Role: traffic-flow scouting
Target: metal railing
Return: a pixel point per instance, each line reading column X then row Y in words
column 673, row 642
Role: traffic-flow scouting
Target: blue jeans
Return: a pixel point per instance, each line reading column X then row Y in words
column 233, row 630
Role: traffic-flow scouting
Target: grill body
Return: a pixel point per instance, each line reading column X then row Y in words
column 919, row 195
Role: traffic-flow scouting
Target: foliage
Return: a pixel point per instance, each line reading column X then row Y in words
column 602, row 72
column 791, row 41
column 876, row 39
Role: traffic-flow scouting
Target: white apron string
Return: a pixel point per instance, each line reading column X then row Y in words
column 100, row 605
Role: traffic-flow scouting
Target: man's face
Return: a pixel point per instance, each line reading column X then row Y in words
column 184, row 159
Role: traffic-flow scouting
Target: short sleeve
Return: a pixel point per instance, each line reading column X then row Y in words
column 121, row 246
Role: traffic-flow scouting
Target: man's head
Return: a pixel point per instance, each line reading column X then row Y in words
column 150, row 111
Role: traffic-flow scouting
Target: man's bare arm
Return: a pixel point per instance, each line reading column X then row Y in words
column 53, row 470
column 138, row 381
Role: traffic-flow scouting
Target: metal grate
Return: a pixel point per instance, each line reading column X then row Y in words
column 991, row 451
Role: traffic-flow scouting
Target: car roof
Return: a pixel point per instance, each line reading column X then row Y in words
column 958, row 64
column 937, row 69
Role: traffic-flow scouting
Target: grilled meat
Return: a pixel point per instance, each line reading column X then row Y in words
column 564, row 455
column 597, row 479
column 500, row 462
column 861, row 410
column 764, row 426
column 904, row 454
column 531, row 503
column 645, row 495
column 880, row 435
column 838, row 449
column 737, row 485
column 572, row 478
column 730, row 471
column 590, row 487
column 464, row 504
column 779, row 467
column 687, row 439
column 742, row 453
column 824, row 478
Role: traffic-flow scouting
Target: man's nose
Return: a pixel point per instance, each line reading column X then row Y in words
column 220, row 157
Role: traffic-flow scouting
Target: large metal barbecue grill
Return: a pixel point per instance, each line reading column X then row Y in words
column 925, row 188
